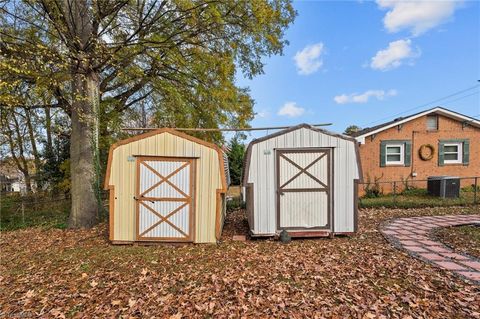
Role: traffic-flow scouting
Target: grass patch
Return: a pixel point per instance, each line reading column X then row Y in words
column 417, row 198
column 37, row 211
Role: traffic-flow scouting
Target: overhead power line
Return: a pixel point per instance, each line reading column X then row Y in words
column 427, row 104
column 218, row 129
column 461, row 98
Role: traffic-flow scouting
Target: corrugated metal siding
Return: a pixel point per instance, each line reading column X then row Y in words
column 262, row 175
column 249, row 198
column 123, row 177
column 311, row 209
column 180, row 179
column 179, row 219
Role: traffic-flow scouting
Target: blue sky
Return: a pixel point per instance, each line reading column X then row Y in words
column 363, row 63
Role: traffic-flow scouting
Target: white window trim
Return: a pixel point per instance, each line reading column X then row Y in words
column 459, row 159
column 402, row 154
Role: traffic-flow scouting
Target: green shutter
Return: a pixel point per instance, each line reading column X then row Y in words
column 441, row 157
column 466, row 152
column 383, row 150
column 408, row 153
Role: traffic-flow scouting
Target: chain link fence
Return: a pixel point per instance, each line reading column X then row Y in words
column 40, row 208
column 410, row 193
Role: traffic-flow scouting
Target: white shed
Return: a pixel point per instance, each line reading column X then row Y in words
column 303, row 180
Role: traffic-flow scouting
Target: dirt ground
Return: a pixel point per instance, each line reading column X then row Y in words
column 66, row 273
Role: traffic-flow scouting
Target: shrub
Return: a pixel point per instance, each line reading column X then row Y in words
column 414, row 191
column 373, row 190
column 470, row 188
column 235, row 203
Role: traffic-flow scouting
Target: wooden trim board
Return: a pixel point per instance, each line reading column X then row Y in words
column 326, row 188
column 187, row 199
column 111, row 188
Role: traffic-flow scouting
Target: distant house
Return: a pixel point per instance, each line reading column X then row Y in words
column 12, row 184
column 429, row 143
column 11, row 178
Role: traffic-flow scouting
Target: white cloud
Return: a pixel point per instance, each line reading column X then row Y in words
column 309, row 60
column 418, row 16
column 394, row 55
column 363, row 97
column 291, row 109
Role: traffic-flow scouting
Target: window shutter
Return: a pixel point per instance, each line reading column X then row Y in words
column 408, row 153
column 383, row 151
column 441, row 156
column 466, row 152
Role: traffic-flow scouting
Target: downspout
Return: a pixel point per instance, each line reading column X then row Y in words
column 412, row 170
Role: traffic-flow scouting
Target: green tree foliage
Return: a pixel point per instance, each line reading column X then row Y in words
column 97, row 60
column 351, row 129
column 235, row 154
column 55, row 154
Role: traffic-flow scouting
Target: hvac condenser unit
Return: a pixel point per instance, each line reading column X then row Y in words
column 444, row 186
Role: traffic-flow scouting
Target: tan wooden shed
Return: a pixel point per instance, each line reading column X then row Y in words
column 166, row 186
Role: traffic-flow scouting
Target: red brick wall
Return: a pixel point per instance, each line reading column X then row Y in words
column 416, row 132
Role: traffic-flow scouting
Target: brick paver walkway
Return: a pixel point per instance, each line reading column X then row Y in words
column 413, row 235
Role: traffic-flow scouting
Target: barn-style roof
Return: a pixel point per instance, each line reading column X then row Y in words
column 248, row 153
column 224, row 172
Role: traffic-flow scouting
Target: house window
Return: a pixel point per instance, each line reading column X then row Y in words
column 452, row 153
column 394, row 154
column 432, row 122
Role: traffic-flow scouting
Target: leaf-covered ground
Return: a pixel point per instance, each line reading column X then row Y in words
column 464, row 239
column 64, row 273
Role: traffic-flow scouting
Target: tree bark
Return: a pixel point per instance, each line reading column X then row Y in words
column 83, row 147
column 48, row 131
column 28, row 182
column 31, row 134
column 84, row 117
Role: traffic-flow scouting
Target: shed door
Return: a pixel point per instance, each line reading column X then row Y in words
column 303, row 189
column 165, row 199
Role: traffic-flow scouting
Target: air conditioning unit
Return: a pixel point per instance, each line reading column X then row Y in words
column 444, row 186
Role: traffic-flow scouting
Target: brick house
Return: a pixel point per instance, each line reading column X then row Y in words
column 412, row 148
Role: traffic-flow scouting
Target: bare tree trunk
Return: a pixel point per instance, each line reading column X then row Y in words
column 20, row 160
column 31, row 134
column 48, row 129
column 28, row 182
column 83, row 147
column 84, row 116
